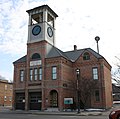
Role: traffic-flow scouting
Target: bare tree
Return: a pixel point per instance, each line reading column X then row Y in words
column 85, row 89
column 116, row 73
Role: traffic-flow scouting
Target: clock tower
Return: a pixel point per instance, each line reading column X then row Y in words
column 41, row 24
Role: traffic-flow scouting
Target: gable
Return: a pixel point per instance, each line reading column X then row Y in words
column 76, row 54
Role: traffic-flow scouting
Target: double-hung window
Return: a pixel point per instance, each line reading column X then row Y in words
column 35, row 74
column 40, row 73
column 31, row 74
column 54, row 72
column 21, row 75
column 95, row 73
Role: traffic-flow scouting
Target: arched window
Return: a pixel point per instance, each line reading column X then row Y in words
column 36, row 56
column 86, row 56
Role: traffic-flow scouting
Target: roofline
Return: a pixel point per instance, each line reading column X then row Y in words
column 41, row 7
column 1, row 81
column 101, row 57
column 19, row 59
column 59, row 57
column 62, row 54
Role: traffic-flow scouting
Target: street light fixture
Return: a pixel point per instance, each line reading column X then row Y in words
column 78, row 94
column 97, row 38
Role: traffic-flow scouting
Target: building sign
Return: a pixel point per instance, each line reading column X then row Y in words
column 35, row 63
column 68, row 100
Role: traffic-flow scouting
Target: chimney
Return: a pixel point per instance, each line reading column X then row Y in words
column 75, row 47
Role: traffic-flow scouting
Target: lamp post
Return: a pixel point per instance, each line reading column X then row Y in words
column 78, row 94
column 97, row 38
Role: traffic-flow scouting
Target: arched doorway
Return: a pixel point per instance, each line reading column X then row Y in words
column 53, row 98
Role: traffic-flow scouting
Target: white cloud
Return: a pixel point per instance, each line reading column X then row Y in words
column 78, row 23
column 13, row 27
column 1, row 77
column 6, row 75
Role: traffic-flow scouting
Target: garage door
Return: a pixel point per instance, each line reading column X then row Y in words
column 20, row 101
column 35, row 101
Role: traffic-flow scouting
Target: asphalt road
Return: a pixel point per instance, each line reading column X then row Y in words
column 34, row 116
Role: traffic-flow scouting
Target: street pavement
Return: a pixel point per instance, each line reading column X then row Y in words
column 90, row 112
column 8, row 113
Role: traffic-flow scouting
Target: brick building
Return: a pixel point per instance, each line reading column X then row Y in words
column 6, row 92
column 116, row 92
column 43, row 79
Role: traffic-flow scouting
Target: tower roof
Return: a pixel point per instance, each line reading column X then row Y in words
column 42, row 7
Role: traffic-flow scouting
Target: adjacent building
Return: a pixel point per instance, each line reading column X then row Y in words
column 6, row 91
column 45, row 78
column 116, row 92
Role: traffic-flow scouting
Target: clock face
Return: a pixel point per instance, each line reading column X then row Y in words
column 36, row 30
column 50, row 31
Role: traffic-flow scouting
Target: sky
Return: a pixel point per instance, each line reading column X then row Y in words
column 79, row 22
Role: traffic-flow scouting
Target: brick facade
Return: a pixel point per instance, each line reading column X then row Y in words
column 66, row 75
column 6, row 92
column 46, row 76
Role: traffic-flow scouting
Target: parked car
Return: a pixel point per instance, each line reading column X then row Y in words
column 115, row 114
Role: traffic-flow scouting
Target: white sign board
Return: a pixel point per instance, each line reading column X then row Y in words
column 35, row 63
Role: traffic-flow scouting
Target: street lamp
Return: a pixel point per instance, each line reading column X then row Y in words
column 97, row 38
column 78, row 94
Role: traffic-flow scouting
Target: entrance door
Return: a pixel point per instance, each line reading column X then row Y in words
column 20, row 101
column 35, row 100
column 53, row 98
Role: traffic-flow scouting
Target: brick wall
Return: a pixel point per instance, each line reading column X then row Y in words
column 65, row 84
column 6, row 91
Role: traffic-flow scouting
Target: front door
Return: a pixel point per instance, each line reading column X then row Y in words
column 53, row 98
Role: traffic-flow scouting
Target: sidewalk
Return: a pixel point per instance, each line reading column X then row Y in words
column 106, row 113
column 69, row 113
column 65, row 113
